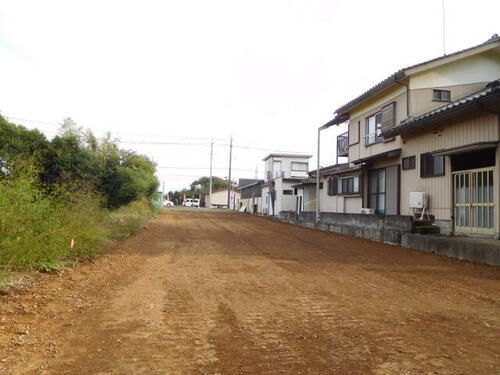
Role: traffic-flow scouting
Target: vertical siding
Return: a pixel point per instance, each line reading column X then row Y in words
column 478, row 128
column 497, row 190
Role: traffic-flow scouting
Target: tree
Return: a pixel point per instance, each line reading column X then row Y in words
column 76, row 158
column 202, row 185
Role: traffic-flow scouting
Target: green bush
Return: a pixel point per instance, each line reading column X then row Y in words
column 37, row 229
column 126, row 220
column 47, row 231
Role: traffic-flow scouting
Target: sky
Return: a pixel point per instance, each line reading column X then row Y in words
column 166, row 77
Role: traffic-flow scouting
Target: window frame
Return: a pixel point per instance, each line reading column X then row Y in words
column 378, row 129
column 428, row 165
column 439, row 97
column 288, row 192
column 374, row 196
column 413, row 163
column 302, row 163
column 344, row 181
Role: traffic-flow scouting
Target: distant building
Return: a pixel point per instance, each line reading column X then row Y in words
column 251, row 195
column 219, row 199
column 282, row 172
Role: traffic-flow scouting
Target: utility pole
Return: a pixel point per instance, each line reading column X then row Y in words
column 211, row 159
column 230, row 160
column 317, row 177
column 256, row 172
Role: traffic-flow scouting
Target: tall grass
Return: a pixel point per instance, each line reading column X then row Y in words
column 40, row 231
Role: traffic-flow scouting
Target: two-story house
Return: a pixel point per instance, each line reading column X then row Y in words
column 433, row 127
column 282, row 172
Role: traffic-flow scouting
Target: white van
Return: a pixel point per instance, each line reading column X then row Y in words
column 188, row 202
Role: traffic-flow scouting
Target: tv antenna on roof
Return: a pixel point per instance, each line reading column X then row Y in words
column 444, row 34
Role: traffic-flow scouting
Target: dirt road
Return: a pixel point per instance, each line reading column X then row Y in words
column 221, row 293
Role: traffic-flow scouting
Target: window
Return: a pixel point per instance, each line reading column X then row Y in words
column 409, row 162
column 278, row 172
column 288, row 192
column 294, row 191
column 349, row 185
column 299, row 167
column 373, row 128
column 441, row 95
column 321, row 185
column 377, row 191
column 431, row 165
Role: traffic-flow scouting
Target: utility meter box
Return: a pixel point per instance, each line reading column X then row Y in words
column 418, row 199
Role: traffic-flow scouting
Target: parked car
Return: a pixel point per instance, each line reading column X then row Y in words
column 167, row 203
column 196, row 203
column 187, row 202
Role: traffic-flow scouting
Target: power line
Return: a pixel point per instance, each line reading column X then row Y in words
column 171, row 143
column 202, row 168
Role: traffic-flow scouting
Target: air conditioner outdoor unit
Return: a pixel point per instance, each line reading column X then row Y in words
column 418, row 199
column 367, row 211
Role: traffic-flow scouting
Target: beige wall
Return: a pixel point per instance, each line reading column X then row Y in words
column 338, row 203
column 357, row 127
column 461, row 77
column 479, row 128
column 482, row 67
column 421, row 99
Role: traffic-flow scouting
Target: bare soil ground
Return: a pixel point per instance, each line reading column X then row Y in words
column 220, row 293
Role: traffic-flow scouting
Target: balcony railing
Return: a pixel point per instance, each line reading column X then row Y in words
column 343, row 144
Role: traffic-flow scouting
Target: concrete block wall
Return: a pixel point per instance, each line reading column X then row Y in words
column 398, row 230
column 387, row 228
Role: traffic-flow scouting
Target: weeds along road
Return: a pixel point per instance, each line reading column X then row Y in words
column 198, row 292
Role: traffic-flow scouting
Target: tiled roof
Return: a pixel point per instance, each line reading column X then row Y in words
column 400, row 74
column 410, row 123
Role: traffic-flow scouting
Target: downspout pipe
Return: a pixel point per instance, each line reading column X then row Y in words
column 326, row 126
column 407, row 96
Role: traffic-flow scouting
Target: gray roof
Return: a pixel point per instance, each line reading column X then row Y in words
column 330, row 168
column 242, row 182
column 400, row 74
column 409, row 124
column 305, row 156
column 256, row 182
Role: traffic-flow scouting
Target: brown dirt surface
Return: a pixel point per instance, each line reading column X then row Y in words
column 200, row 292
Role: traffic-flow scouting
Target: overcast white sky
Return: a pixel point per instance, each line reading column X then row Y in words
column 270, row 72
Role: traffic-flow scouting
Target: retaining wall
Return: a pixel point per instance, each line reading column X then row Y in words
column 398, row 229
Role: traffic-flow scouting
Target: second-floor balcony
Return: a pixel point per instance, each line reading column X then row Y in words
column 343, row 144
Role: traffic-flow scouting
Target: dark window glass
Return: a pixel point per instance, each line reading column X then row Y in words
column 431, row 165
column 348, row 185
column 287, row 192
column 377, row 191
column 409, row 162
column 441, row 95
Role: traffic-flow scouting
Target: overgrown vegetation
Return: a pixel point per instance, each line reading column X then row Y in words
column 61, row 200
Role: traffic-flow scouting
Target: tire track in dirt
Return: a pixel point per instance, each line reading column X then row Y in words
column 218, row 293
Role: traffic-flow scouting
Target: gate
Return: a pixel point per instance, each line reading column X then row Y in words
column 474, row 202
